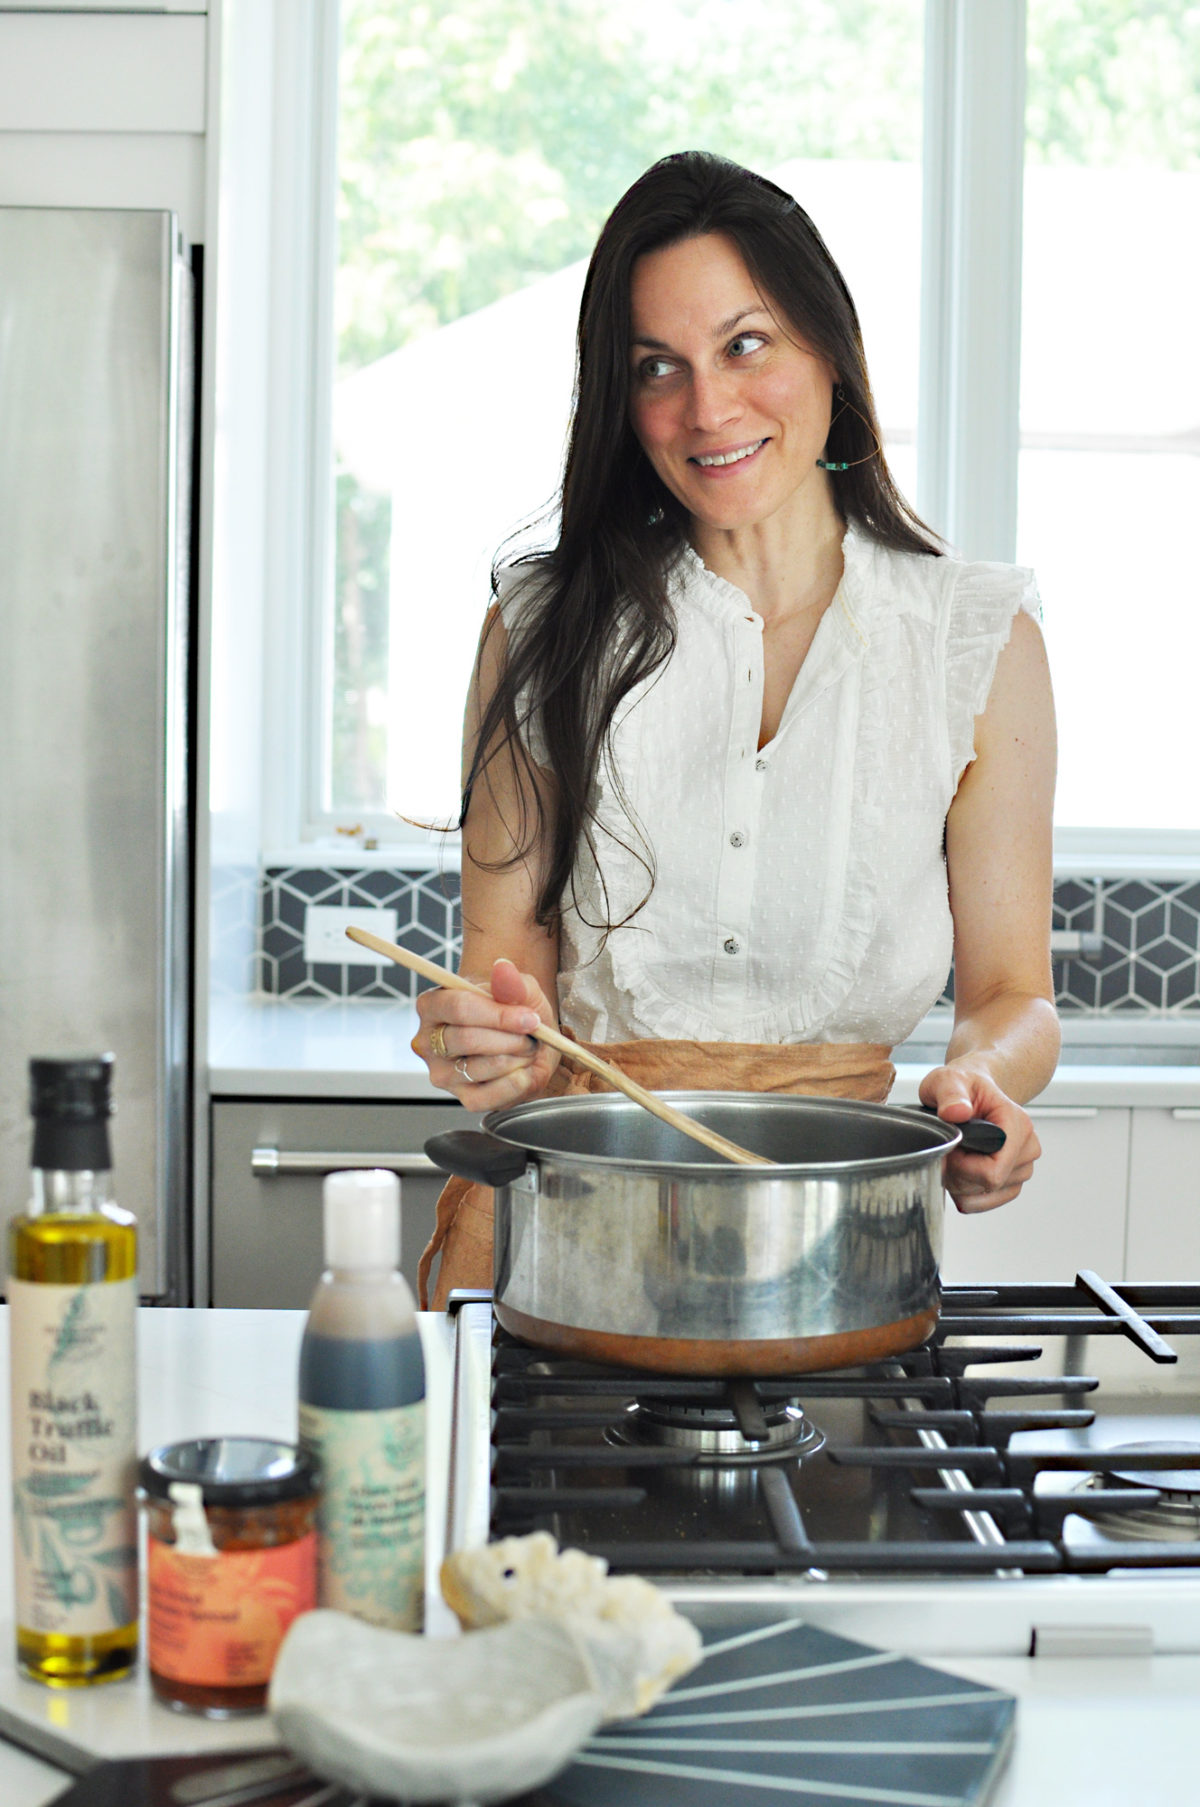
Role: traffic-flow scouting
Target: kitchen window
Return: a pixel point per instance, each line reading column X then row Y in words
column 1109, row 468
column 481, row 145
column 478, row 146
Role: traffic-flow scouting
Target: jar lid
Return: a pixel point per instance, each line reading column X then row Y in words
column 231, row 1471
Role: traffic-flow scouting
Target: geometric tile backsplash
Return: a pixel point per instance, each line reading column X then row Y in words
column 427, row 920
column 1147, row 956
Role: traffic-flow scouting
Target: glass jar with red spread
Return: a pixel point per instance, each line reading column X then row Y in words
column 231, row 1561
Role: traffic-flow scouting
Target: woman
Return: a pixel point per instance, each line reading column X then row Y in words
column 746, row 758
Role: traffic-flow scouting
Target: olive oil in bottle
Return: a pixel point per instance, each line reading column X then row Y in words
column 72, row 1294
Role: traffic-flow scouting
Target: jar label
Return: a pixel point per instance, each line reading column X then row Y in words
column 74, row 1447
column 372, row 1511
column 218, row 1621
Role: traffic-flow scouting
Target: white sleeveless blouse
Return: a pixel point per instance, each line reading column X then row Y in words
column 800, row 891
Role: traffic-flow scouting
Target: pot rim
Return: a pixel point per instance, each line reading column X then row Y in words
column 943, row 1136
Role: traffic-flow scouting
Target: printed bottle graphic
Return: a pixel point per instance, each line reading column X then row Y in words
column 72, row 1290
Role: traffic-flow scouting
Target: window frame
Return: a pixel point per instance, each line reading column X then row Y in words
column 968, row 425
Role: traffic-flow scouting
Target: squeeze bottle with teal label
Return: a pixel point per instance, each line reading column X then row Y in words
column 362, row 1409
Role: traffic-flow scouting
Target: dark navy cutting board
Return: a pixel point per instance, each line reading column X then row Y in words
column 778, row 1715
column 787, row 1715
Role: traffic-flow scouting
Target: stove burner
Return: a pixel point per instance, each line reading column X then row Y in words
column 717, row 1433
column 1173, row 1518
column 1172, row 1480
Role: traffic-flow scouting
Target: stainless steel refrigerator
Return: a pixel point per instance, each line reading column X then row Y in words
column 96, row 386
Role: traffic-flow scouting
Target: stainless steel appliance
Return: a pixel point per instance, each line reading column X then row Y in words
column 1029, row 1480
column 95, row 458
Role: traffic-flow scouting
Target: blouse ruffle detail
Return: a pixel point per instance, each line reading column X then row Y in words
column 987, row 599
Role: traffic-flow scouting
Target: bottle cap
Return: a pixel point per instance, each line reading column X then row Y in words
column 362, row 1219
column 71, row 1100
column 73, row 1088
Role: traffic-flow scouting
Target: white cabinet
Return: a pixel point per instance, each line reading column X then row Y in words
column 1071, row 1215
column 1164, row 1195
column 129, row 72
column 105, row 109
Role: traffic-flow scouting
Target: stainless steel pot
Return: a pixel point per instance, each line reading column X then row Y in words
column 618, row 1239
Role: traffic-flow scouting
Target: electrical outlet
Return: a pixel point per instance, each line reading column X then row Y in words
column 326, row 942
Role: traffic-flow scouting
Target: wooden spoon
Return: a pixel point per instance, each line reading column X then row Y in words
column 570, row 1050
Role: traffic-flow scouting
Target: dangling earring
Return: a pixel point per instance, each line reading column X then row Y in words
column 826, row 464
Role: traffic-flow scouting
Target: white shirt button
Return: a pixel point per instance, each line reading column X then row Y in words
column 760, row 765
column 737, row 839
column 733, row 945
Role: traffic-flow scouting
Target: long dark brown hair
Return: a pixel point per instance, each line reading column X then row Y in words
column 596, row 619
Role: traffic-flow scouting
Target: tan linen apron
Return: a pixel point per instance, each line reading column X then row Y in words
column 463, row 1234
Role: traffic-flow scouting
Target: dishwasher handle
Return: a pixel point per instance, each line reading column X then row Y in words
column 272, row 1163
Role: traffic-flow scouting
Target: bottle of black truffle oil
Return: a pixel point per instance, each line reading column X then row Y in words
column 72, row 1295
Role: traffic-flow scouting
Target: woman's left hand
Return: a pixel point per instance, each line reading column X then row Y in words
column 978, row 1182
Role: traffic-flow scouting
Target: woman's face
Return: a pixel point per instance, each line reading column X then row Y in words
column 731, row 410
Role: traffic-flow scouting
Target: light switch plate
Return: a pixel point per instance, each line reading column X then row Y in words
column 325, row 941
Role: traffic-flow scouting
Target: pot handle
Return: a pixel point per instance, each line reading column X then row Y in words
column 473, row 1155
column 978, row 1135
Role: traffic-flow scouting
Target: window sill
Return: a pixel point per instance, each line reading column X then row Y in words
column 341, row 853
column 1126, row 853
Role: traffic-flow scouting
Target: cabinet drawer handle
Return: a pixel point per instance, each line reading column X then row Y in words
column 1064, row 1110
column 266, row 1163
column 1185, row 1113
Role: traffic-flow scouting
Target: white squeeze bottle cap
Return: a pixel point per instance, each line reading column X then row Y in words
column 362, row 1219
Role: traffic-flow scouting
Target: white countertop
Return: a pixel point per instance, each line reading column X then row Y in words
column 1090, row 1731
column 314, row 1048
column 1100, row 1732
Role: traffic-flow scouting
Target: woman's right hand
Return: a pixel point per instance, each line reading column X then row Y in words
column 479, row 1047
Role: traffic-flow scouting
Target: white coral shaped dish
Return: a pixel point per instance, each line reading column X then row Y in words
column 478, row 1718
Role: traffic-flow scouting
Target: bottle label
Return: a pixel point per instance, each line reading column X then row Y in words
column 74, row 1434
column 218, row 1621
column 372, row 1512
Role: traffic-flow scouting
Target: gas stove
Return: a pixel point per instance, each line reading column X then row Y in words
column 1028, row 1481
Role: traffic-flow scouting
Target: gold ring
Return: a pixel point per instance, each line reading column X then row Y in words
column 460, row 1067
column 437, row 1041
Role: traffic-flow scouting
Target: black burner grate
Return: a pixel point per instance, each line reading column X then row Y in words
column 913, row 1466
